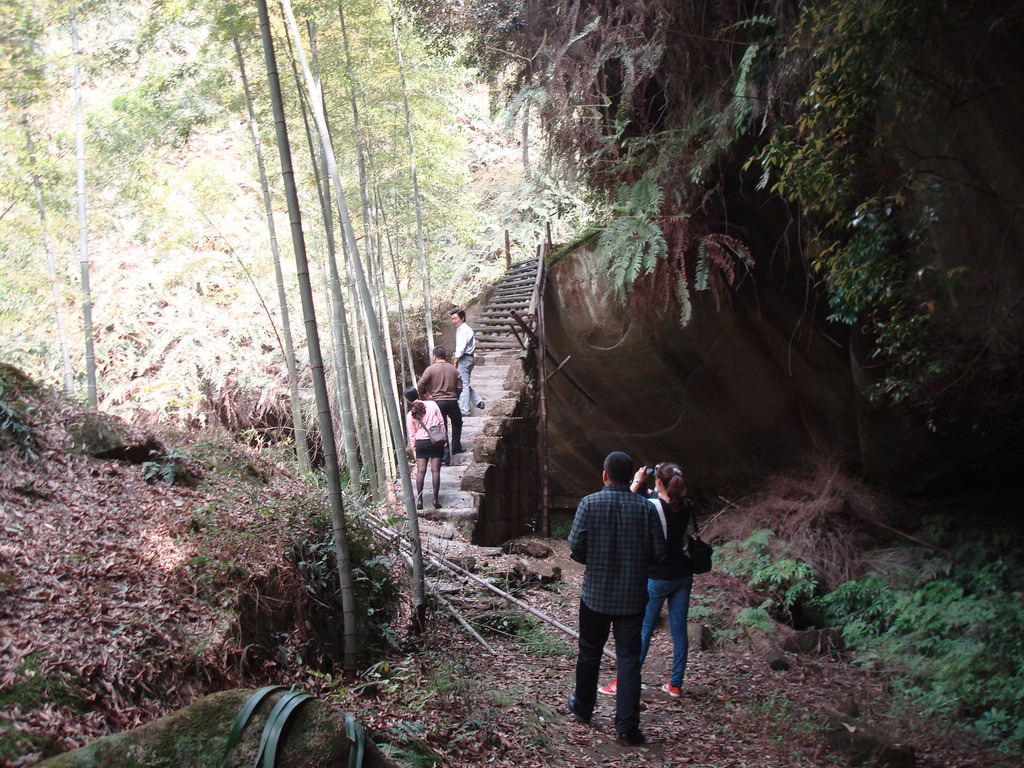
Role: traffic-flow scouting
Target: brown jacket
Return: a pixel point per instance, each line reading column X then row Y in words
column 440, row 381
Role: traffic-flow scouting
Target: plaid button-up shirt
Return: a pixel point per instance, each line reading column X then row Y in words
column 616, row 533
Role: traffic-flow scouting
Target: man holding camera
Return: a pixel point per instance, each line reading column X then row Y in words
column 616, row 533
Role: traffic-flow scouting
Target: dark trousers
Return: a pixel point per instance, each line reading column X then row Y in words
column 450, row 410
column 594, row 629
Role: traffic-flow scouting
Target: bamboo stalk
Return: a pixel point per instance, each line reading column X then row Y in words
column 542, row 378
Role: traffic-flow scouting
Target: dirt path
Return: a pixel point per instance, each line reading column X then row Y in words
column 734, row 711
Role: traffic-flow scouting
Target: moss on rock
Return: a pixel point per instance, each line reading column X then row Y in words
column 195, row 737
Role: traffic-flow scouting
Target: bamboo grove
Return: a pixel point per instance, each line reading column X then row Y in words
column 321, row 135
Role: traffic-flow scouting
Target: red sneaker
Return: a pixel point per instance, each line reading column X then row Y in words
column 610, row 689
column 671, row 690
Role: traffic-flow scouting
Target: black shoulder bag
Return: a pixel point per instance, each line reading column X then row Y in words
column 697, row 549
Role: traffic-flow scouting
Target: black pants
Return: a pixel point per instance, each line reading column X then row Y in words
column 594, row 629
column 450, row 410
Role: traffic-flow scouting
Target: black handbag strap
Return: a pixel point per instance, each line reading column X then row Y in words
column 693, row 516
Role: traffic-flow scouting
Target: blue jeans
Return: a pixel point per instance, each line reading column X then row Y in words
column 677, row 592
column 468, row 397
column 594, row 628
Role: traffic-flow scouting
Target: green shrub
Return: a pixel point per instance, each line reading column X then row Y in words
column 376, row 591
column 953, row 643
column 763, row 561
column 163, row 466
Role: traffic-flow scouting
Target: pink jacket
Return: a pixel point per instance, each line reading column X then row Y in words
column 431, row 417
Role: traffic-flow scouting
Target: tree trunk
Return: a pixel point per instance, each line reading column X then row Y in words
column 341, row 546
column 301, row 445
column 83, row 240
column 346, row 385
column 355, row 441
column 364, row 365
column 418, row 588
column 51, row 269
column 370, row 238
column 525, row 140
column 398, row 290
column 415, row 185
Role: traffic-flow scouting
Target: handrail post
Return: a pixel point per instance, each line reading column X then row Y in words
column 542, row 372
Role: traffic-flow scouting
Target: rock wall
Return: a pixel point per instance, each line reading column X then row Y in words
column 755, row 387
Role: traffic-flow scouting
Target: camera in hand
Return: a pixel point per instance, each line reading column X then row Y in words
column 649, row 472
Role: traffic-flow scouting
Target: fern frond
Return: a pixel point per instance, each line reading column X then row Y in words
column 766, row 22
column 741, row 107
column 685, row 305
column 631, row 246
column 700, row 280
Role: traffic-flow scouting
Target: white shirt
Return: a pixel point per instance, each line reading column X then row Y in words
column 465, row 344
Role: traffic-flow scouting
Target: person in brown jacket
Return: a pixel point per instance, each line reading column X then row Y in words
column 442, row 383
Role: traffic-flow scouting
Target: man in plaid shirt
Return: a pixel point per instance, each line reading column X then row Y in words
column 616, row 533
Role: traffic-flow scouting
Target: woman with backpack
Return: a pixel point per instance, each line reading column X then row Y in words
column 422, row 415
column 671, row 579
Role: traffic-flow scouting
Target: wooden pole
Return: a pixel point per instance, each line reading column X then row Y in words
column 543, row 524
column 508, row 252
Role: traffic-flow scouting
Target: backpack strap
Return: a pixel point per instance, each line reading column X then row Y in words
column 661, row 514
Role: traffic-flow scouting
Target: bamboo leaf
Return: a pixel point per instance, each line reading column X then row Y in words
column 276, row 725
column 355, row 733
column 243, row 717
column 282, row 703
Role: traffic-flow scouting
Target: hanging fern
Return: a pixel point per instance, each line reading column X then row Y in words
column 634, row 242
column 717, row 255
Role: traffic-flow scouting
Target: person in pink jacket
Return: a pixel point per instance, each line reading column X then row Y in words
column 421, row 415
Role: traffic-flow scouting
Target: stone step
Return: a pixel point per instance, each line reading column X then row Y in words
column 500, row 314
column 498, row 334
column 505, row 291
column 508, row 342
column 497, row 317
column 520, row 284
column 519, row 303
column 497, row 327
column 523, row 280
column 520, row 268
column 456, row 515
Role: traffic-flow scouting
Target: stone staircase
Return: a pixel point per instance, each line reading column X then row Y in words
column 448, row 530
column 494, row 326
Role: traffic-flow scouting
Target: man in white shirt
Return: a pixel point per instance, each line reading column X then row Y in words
column 463, row 359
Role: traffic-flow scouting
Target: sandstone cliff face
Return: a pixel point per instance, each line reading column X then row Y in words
column 755, row 387
column 761, row 384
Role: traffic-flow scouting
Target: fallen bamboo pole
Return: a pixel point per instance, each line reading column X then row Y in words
column 465, row 624
column 446, row 564
column 453, row 611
